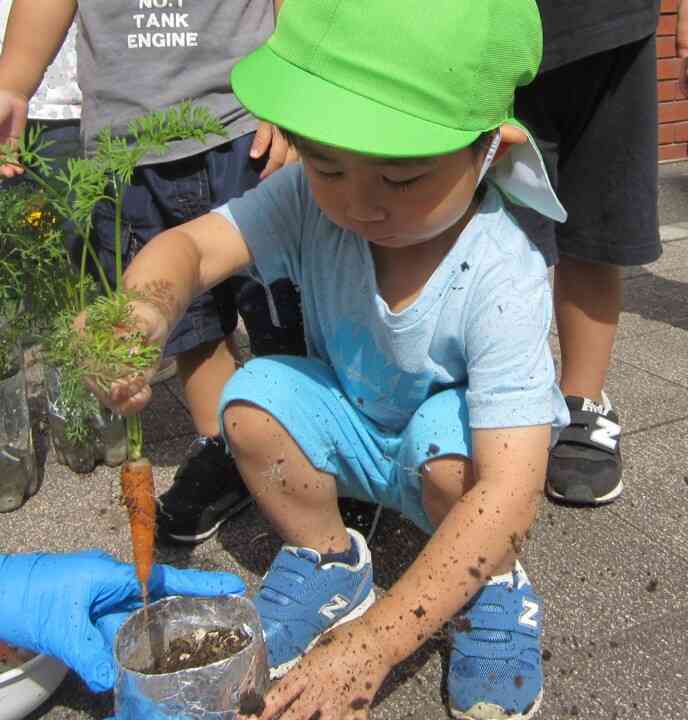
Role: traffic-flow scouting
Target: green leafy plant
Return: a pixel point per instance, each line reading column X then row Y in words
column 34, row 266
column 108, row 348
column 97, row 353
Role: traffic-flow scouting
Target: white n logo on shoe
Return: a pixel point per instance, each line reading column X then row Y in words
column 530, row 610
column 606, row 434
column 333, row 606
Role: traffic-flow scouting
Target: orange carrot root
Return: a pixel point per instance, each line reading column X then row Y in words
column 138, row 491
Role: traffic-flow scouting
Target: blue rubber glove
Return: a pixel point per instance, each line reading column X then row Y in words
column 71, row 606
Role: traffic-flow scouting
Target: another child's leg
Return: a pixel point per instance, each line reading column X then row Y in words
column 203, row 372
column 208, row 488
column 608, row 183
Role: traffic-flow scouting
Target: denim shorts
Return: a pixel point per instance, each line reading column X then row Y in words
column 165, row 195
column 368, row 462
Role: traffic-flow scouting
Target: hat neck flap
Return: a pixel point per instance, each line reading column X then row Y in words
column 521, row 175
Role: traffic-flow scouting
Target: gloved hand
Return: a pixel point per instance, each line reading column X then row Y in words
column 71, row 605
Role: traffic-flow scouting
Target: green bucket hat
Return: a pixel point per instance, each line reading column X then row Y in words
column 401, row 79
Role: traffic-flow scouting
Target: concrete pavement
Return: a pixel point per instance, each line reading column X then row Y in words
column 614, row 579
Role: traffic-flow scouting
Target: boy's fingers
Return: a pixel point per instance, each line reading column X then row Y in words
column 279, row 151
column 262, row 140
column 124, row 398
column 358, row 715
column 292, row 155
column 10, row 171
column 280, row 697
column 275, row 162
column 134, row 405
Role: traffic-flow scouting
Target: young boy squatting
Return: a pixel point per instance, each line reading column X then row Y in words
column 429, row 385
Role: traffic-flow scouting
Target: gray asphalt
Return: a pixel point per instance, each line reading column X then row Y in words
column 614, row 579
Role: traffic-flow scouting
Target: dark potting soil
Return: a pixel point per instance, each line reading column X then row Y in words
column 202, row 648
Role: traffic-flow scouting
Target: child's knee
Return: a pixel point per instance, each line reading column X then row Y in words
column 445, row 481
column 244, row 427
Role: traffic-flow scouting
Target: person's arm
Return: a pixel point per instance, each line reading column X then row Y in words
column 270, row 140
column 184, row 262
column 478, row 537
column 682, row 45
column 35, row 32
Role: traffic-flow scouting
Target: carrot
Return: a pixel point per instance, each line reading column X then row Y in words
column 139, row 496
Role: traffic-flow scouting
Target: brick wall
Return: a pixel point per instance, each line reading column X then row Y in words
column 673, row 107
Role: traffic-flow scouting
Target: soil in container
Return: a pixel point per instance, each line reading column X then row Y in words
column 201, row 648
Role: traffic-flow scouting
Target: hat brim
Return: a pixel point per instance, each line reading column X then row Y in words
column 284, row 94
column 275, row 90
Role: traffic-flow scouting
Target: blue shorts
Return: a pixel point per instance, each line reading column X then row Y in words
column 368, row 462
column 164, row 195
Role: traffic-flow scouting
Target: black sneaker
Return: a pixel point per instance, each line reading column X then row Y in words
column 585, row 465
column 207, row 490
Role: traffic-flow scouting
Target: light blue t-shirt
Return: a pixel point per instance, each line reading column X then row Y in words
column 482, row 320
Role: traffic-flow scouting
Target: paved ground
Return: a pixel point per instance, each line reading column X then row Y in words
column 614, row 578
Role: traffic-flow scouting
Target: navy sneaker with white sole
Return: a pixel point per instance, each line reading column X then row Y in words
column 207, row 491
column 495, row 666
column 585, row 465
column 301, row 598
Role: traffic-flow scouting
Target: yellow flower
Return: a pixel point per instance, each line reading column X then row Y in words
column 34, row 218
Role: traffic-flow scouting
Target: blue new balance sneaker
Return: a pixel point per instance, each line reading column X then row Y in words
column 300, row 599
column 495, row 667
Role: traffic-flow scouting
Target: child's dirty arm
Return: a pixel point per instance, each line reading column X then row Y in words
column 478, row 537
column 184, row 262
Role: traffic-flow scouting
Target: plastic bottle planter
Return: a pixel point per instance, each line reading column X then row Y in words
column 18, row 471
column 108, row 443
column 212, row 692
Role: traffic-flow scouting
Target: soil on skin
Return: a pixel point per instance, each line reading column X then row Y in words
column 202, row 648
column 251, row 703
column 12, row 657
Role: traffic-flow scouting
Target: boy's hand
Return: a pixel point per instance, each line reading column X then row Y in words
column 268, row 137
column 337, row 680
column 129, row 395
column 13, row 112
